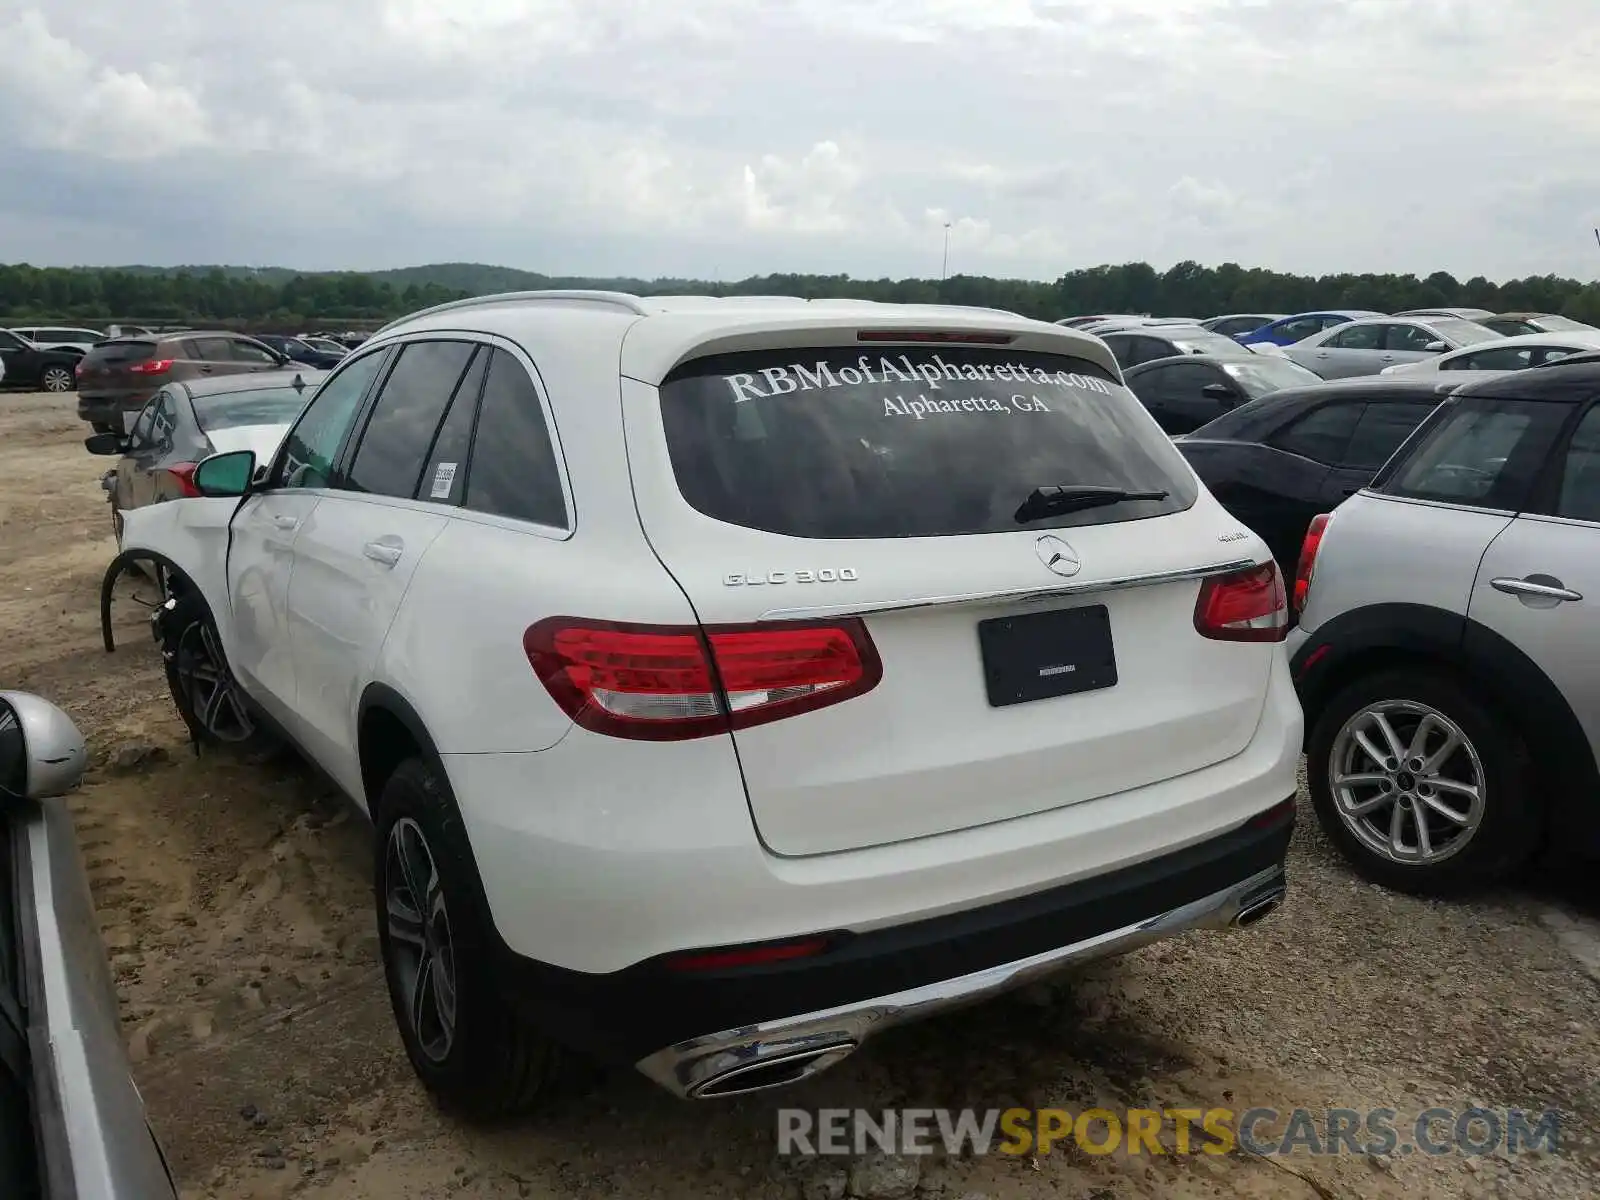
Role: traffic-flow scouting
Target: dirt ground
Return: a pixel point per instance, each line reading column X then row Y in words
column 235, row 906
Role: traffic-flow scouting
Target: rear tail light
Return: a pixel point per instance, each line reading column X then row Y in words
column 1244, row 606
column 672, row 682
column 1308, row 560
column 154, row 366
column 77, row 371
column 183, row 474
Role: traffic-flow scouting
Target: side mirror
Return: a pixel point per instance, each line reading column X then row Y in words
column 1436, row 347
column 1219, row 391
column 41, row 751
column 106, row 443
column 225, row 474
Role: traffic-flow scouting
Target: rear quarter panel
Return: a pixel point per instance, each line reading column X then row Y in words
column 1386, row 550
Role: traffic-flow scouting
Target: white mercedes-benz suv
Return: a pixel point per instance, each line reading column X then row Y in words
column 730, row 679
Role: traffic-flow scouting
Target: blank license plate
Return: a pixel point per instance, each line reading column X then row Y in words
column 1040, row 655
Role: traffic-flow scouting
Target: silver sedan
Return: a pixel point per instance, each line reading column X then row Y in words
column 1367, row 346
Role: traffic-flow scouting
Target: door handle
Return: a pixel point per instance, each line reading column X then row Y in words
column 386, row 552
column 204, row 370
column 285, row 523
column 1528, row 587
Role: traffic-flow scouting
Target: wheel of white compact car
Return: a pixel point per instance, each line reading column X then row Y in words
column 464, row 1036
column 56, row 379
column 208, row 697
column 1421, row 786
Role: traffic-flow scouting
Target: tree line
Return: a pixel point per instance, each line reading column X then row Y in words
column 245, row 297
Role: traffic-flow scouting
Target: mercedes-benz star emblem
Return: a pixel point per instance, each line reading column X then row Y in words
column 1057, row 555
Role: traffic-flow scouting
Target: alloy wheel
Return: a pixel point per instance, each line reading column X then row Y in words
column 1407, row 782
column 421, row 949
column 56, row 379
column 209, row 686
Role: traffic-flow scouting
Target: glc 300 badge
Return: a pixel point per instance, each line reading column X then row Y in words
column 818, row 575
column 1238, row 535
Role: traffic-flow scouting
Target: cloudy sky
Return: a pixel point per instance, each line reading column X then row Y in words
column 721, row 138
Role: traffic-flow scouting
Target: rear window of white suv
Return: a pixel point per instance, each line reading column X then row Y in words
column 898, row 442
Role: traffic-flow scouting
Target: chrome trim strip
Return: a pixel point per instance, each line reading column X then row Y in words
column 688, row 1067
column 1046, row 591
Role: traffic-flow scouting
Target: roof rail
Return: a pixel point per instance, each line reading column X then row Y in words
column 618, row 300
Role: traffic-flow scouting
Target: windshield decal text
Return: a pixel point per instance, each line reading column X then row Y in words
column 933, row 373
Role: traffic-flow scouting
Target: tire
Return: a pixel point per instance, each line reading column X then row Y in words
column 470, row 1047
column 56, row 379
column 1487, row 841
column 209, row 700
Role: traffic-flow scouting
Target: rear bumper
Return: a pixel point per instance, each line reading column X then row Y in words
column 107, row 409
column 718, row 1032
column 780, row 1051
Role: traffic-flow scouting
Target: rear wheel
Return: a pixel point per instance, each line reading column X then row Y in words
column 1420, row 786
column 465, row 1038
column 56, row 379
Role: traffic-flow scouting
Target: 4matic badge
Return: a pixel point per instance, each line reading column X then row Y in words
column 818, row 575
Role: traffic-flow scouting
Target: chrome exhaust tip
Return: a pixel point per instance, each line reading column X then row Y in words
column 774, row 1072
column 1259, row 908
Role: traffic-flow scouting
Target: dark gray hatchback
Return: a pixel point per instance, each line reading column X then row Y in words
column 118, row 376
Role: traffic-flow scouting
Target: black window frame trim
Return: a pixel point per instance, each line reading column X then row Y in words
column 459, row 511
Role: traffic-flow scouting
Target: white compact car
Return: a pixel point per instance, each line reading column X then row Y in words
column 730, row 679
column 1445, row 649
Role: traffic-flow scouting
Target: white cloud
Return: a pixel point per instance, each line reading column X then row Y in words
column 737, row 136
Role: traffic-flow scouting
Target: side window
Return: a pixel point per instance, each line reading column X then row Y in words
column 445, row 477
column 313, row 444
column 1550, row 354
column 1480, row 452
column 1507, row 358
column 1580, row 474
column 1121, row 349
column 1410, row 339
column 1298, row 331
column 406, row 416
column 165, row 419
column 249, row 352
column 513, row 471
column 9, row 341
column 1381, row 429
column 1356, row 337
column 210, row 349
column 1184, row 380
column 144, row 428
column 1323, row 434
column 1151, row 384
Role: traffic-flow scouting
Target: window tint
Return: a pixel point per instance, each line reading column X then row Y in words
column 1580, row 476
column 1381, row 429
column 1480, row 452
column 1323, row 434
column 1505, row 358
column 819, row 443
column 405, row 417
column 144, row 427
column 314, row 442
column 249, row 352
column 1357, row 337
column 1411, row 339
column 211, row 349
column 1296, row 331
column 9, row 341
column 514, row 471
column 446, row 474
column 165, row 420
column 258, row 406
column 1121, row 349
column 1186, row 379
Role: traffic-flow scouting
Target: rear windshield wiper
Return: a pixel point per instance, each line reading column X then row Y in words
column 1053, row 500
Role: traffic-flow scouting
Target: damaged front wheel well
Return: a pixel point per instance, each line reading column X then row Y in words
column 173, row 583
